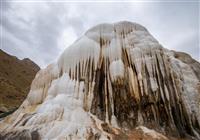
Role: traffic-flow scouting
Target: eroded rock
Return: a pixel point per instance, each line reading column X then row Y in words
column 113, row 79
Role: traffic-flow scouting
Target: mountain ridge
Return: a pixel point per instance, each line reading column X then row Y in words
column 15, row 79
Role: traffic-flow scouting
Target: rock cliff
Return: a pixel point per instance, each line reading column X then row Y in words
column 112, row 82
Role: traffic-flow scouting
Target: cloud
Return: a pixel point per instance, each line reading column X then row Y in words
column 34, row 30
column 42, row 30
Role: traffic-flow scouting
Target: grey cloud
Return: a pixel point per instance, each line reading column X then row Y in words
column 4, row 6
column 40, row 36
column 77, row 24
column 190, row 46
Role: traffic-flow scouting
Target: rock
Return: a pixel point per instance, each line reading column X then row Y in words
column 114, row 79
column 3, row 109
column 15, row 80
column 21, row 135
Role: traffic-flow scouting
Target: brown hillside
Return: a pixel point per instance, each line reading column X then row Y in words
column 15, row 80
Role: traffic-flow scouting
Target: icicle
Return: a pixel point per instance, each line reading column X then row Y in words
column 116, row 70
column 166, row 92
column 133, row 84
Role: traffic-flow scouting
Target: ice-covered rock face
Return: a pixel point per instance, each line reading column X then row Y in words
column 114, row 78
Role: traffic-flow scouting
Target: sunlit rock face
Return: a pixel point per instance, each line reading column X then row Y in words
column 116, row 77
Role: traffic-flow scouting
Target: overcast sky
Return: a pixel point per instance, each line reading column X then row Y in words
column 41, row 30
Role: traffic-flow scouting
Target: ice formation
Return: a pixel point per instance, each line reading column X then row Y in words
column 114, row 78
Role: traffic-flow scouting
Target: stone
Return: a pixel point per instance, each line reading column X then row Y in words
column 112, row 80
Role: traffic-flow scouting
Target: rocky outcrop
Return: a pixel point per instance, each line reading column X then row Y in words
column 113, row 79
column 15, row 80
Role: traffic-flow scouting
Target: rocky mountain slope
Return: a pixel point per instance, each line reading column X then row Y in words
column 15, row 80
column 115, row 82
